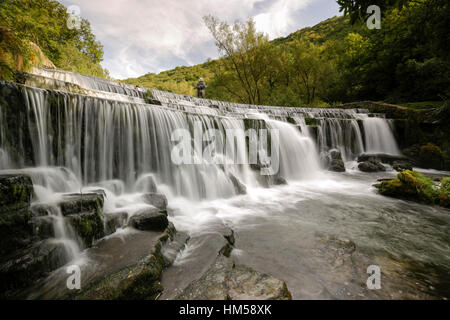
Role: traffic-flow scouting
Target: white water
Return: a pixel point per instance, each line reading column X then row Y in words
column 379, row 137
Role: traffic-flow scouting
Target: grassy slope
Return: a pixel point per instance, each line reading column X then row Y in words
column 183, row 79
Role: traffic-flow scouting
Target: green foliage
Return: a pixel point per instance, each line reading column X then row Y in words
column 407, row 59
column 44, row 22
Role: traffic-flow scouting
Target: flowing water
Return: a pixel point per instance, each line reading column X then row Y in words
column 82, row 133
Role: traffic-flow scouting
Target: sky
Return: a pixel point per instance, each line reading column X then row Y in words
column 142, row 36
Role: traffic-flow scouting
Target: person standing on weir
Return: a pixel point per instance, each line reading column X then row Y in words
column 201, row 86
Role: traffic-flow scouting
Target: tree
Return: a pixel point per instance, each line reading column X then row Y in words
column 245, row 58
column 44, row 22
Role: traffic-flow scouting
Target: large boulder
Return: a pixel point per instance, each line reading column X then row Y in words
column 149, row 218
column 226, row 281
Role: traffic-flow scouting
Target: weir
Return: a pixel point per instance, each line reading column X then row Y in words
column 103, row 130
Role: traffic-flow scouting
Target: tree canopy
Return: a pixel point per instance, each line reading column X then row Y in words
column 44, row 22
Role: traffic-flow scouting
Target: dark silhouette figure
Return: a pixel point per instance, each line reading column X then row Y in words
column 201, row 86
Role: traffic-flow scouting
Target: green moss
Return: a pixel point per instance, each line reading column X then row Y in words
column 311, row 121
column 444, row 195
column 414, row 186
column 88, row 226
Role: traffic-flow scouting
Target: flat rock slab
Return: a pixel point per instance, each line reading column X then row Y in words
column 106, row 258
column 225, row 281
column 197, row 257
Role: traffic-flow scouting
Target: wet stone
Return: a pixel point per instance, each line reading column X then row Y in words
column 151, row 219
column 225, row 281
column 157, row 200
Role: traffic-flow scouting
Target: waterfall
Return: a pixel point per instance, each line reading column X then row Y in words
column 105, row 133
column 379, row 136
column 342, row 134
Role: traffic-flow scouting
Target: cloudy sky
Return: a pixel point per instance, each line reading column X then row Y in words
column 141, row 36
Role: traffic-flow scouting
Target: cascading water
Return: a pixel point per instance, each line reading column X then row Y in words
column 379, row 137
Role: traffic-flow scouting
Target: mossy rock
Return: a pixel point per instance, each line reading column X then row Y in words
column 311, row 121
column 412, row 185
column 15, row 229
column 444, row 195
column 79, row 203
column 88, row 226
column 149, row 219
column 15, row 192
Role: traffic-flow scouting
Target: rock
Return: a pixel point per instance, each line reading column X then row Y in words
column 138, row 281
column 335, row 154
column 88, row 226
column 225, row 281
column 43, row 227
column 239, row 187
column 81, row 203
column 371, row 166
column 337, row 165
column 27, row 265
column 157, row 200
column 15, row 192
column 382, row 157
column 414, row 186
column 173, row 248
column 228, row 234
column 277, row 180
column 114, row 220
column 332, row 160
column 15, row 229
column 84, row 212
column 151, row 219
column 401, row 165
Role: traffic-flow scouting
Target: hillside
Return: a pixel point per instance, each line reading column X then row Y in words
column 183, row 79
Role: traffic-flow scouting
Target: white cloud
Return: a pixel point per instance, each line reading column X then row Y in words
column 141, row 36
